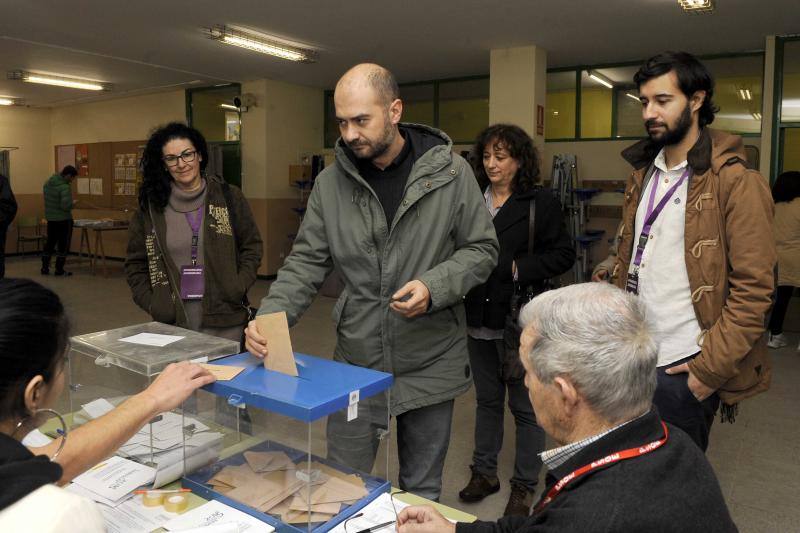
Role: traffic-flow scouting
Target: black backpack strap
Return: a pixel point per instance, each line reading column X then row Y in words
column 531, row 224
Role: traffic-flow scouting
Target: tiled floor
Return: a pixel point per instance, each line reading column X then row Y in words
column 756, row 459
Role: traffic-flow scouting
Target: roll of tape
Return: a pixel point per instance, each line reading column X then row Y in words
column 176, row 503
column 152, row 499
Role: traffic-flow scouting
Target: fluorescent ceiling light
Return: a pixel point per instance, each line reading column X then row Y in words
column 757, row 116
column 631, row 95
column 697, row 7
column 8, row 100
column 745, row 94
column 229, row 106
column 60, row 81
column 259, row 42
column 602, row 80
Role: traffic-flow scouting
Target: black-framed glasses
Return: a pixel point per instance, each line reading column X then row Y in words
column 187, row 156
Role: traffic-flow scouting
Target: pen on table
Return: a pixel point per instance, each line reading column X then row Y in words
column 376, row 528
column 161, row 491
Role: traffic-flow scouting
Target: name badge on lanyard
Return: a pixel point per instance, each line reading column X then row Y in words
column 651, row 214
column 193, row 276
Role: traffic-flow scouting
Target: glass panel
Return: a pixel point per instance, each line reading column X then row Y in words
column 215, row 122
column 559, row 120
column 790, row 149
column 417, row 103
column 737, row 92
column 790, row 106
column 596, row 104
column 627, row 108
column 464, row 108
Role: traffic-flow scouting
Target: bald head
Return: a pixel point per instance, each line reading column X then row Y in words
column 372, row 76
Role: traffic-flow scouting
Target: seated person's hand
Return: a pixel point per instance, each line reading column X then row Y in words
column 176, row 383
column 423, row 519
column 600, row 275
column 254, row 342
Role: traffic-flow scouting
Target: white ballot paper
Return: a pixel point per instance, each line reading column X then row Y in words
column 98, row 407
column 131, row 516
column 35, row 439
column 152, row 339
column 115, row 478
column 378, row 511
column 215, row 513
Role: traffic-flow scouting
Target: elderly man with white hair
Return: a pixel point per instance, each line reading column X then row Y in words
column 590, row 368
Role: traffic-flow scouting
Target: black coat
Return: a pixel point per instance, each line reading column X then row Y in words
column 8, row 204
column 553, row 254
column 672, row 488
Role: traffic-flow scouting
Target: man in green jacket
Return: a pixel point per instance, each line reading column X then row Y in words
column 58, row 212
column 401, row 218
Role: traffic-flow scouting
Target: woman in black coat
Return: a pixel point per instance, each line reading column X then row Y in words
column 507, row 169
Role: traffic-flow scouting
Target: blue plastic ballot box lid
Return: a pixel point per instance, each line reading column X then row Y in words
column 321, row 387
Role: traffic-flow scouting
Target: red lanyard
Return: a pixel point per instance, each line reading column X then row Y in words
column 630, row 453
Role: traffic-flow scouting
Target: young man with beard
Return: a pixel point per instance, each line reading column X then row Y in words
column 401, row 218
column 697, row 247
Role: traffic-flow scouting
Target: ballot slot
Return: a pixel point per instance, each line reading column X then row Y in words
column 297, row 470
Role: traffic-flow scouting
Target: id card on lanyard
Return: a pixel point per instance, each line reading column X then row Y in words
column 193, row 276
column 651, row 214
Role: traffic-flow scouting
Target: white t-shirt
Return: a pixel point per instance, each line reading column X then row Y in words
column 663, row 280
column 50, row 509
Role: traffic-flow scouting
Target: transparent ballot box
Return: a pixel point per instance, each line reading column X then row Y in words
column 313, row 449
column 107, row 367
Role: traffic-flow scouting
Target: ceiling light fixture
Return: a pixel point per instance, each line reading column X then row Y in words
column 745, row 94
column 602, row 80
column 259, row 42
column 631, row 95
column 229, row 106
column 697, row 7
column 59, row 81
column 8, row 100
column 757, row 116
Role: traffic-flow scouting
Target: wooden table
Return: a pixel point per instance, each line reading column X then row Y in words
column 98, row 226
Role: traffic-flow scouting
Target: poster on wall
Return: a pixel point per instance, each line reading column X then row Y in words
column 83, row 186
column 65, row 155
column 96, row 186
column 82, row 159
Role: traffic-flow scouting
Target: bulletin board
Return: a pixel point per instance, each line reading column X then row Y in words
column 126, row 176
column 108, row 173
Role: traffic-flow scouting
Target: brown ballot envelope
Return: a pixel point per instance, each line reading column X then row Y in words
column 223, row 372
column 275, row 328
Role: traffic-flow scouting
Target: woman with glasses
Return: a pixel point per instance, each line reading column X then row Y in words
column 194, row 248
column 34, row 338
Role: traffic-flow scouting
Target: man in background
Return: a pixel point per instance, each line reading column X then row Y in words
column 58, row 212
column 8, row 210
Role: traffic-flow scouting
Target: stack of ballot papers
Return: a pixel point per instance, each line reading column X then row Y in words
column 165, row 449
column 272, row 483
column 378, row 511
column 113, row 481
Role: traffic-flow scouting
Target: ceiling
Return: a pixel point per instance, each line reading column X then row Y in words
column 150, row 46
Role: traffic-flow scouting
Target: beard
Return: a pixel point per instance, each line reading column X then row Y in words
column 372, row 149
column 671, row 135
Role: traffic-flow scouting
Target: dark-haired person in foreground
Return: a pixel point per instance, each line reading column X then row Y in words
column 697, row 247
column 590, row 368
column 34, row 338
column 194, row 247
